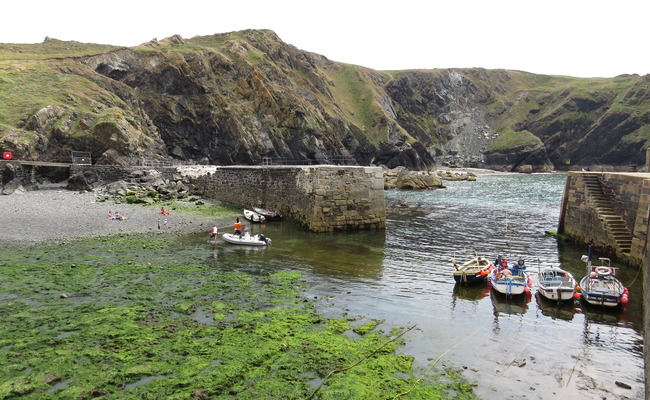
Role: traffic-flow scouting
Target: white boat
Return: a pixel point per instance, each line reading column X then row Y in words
column 247, row 239
column 600, row 286
column 511, row 281
column 554, row 283
column 253, row 216
column 268, row 214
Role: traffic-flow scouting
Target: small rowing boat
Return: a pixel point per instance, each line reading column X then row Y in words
column 253, row 216
column 268, row 214
column 474, row 270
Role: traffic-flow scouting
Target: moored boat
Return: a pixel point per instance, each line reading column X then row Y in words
column 554, row 283
column 254, row 216
column 268, row 214
column 474, row 270
column 247, row 239
column 511, row 280
column 600, row 286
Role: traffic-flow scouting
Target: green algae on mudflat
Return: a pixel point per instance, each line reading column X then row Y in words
column 144, row 322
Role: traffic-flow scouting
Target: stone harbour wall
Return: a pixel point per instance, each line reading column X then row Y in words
column 629, row 195
column 579, row 218
column 322, row 198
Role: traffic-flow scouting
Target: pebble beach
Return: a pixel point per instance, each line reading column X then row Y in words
column 57, row 214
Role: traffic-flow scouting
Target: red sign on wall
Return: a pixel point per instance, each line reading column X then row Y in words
column 7, row 155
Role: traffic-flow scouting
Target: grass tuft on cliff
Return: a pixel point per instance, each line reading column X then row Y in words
column 523, row 141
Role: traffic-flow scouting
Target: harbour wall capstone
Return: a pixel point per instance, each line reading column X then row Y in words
column 629, row 197
column 322, row 198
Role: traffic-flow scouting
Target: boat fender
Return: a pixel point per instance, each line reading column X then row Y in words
column 604, row 271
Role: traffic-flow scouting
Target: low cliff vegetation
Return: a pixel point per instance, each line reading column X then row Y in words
column 243, row 97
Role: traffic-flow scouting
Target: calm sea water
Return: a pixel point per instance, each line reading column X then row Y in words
column 525, row 348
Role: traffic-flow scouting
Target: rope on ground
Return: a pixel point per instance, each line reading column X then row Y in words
column 336, row 371
column 564, row 391
column 425, row 373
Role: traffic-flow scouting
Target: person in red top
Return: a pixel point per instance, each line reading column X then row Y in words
column 213, row 232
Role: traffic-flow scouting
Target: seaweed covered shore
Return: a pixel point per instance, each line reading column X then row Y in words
column 128, row 314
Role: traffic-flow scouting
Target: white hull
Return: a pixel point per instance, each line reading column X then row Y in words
column 558, row 294
column 269, row 215
column 509, row 288
column 246, row 239
column 253, row 216
column 556, row 284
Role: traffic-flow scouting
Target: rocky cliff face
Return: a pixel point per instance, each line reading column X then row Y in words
column 246, row 97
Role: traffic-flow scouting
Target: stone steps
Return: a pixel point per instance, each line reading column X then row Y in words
column 616, row 227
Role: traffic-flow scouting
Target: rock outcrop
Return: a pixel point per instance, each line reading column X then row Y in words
column 401, row 178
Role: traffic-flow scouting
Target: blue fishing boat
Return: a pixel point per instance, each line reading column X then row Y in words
column 511, row 279
column 600, row 286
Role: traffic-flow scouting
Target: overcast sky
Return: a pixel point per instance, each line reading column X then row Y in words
column 583, row 38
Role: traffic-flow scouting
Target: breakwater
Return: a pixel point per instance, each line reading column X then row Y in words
column 322, row 198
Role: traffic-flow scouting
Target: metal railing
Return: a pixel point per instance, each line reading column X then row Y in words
column 335, row 160
column 81, row 157
column 144, row 162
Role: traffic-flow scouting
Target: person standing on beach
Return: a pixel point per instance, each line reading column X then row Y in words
column 158, row 225
column 214, row 232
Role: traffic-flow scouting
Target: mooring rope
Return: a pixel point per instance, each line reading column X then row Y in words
column 336, row 371
column 425, row 373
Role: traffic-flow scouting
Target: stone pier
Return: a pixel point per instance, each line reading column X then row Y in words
column 322, row 198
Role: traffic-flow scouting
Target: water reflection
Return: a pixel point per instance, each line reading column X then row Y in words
column 564, row 310
column 471, row 292
column 357, row 254
column 503, row 304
